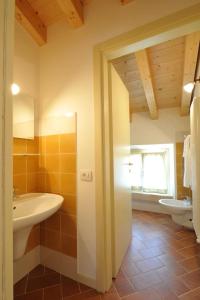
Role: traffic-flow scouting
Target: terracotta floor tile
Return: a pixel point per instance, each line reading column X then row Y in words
column 176, row 244
column 149, row 264
column 164, row 292
column 185, row 233
column 111, row 294
column 173, row 267
column 69, row 287
column 176, row 285
column 131, row 270
column 169, row 271
column 91, row 295
column 192, row 295
column 170, row 258
column 20, row 286
column 188, row 241
column 190, row 251
column 145, row 280
column 38, row 271
column 154, row 242
column 42, row 282
column 48, row 271
column 36, row 295
column 152, row 252
column 148, row 294
column 53, row 293
column 123, row 287
column 162, row 263
column 132, row 257
column 191, row 264
column 120, row 274
column 192, row 279
column 137, row 245
column 84, row 288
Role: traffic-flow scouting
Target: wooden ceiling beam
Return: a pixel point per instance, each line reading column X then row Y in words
column 73, row 10
column 123, row 2
column 29, row 19
column 190, row 59
column 145, row 74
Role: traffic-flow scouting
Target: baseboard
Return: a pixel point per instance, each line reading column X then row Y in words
column 25, row 264
column 146, row 205
column 59, row 262
column 86, row 280
column 54, row 260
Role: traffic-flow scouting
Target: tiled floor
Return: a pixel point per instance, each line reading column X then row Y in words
column 162, row 263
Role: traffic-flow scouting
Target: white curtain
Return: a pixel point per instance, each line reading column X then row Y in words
column 150, row 172
column 155, row 174
column 195, row 154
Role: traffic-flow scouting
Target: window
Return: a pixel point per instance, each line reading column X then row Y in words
column 151, row 170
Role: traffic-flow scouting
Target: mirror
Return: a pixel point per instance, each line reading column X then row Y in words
column 23, row 116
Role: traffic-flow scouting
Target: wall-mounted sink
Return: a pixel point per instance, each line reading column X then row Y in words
column 29, row 210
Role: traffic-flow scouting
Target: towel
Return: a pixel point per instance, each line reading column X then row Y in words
column 187, row 162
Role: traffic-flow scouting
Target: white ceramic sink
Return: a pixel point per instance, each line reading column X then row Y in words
column 29, row 210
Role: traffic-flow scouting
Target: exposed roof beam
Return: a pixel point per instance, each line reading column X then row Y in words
column 123, row 2
column 190, row 59
column 145, row 73
column 73, row 10
column 29, row 19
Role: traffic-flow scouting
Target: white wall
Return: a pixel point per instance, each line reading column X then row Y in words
column 169, row 128
column 66, row 84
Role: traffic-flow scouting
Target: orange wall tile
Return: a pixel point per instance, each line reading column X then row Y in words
column 182, row 192
column 68, row 245
column 25, row 167
column 69, row 204
column 57, row 174
column 51, row 168
column 68, row 143
column 34, row 239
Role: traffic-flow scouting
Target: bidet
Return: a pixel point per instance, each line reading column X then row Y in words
column 180, row 211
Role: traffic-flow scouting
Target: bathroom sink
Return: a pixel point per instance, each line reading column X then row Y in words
column 29, row 210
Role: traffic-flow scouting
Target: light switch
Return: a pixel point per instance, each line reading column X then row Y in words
column 86, row 175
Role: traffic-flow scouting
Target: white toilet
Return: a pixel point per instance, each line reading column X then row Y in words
column 180, row 210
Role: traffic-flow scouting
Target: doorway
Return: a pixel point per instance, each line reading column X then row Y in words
column 163, row 30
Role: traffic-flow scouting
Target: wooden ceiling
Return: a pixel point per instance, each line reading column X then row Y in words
column 155, row 76
column 36, row 15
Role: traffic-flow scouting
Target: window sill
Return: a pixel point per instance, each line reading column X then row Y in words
column 152, row 194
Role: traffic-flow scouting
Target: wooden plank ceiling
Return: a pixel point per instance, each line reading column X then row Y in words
column 155, row 76
column 36, row 15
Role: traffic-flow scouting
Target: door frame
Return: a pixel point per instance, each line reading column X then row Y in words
column 173, row 26
column 6, row 229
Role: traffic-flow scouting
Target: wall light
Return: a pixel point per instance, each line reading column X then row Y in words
column 15, row 89
column 69, row 114
column 189, row 87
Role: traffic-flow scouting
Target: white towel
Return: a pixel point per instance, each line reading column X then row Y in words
column 187, row 162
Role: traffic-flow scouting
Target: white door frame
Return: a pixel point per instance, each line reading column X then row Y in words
column 6, row 231
column 181, row 23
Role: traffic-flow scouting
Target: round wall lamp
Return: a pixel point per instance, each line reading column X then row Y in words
column 188, row 87
column 15, row 89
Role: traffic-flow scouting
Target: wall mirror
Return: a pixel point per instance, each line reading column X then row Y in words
column 23, row 116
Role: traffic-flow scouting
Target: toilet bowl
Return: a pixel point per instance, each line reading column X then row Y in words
column 180, row 210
